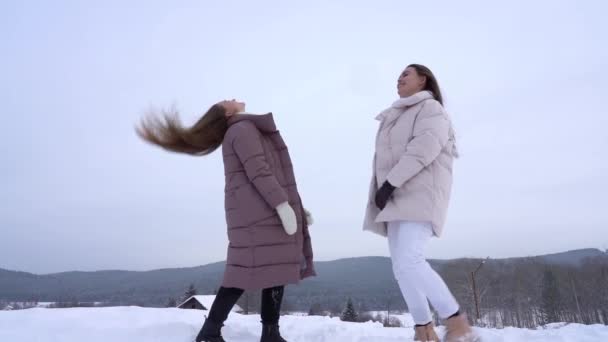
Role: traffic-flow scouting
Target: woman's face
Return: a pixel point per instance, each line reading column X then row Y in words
column 232, row 107
column 410, row 82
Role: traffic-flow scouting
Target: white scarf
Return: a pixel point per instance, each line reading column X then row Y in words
column 398, row 107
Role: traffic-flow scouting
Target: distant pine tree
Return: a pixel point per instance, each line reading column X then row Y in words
column 315, row 310
column 171, row 303
column 349, row 314
column 603, row 293
column 550, row 305
column 191, row 291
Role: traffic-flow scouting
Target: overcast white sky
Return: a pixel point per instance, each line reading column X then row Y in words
column 524, row 81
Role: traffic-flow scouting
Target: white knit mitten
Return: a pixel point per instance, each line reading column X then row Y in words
column 309, row 219
column 288, row 218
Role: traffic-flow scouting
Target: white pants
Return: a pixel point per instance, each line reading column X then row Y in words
column 419, row 283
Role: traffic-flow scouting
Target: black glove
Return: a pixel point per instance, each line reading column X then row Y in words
column 383, row 194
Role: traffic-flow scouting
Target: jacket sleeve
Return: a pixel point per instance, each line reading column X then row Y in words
column 247, row 145
column 431, row 134
column 309, row 269
column 307, row 247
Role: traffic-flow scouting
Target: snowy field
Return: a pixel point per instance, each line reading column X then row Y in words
column 134, row 324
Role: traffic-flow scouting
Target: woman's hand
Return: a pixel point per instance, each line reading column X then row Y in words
column 384, row 194
column 309, row 219
column 288, row 218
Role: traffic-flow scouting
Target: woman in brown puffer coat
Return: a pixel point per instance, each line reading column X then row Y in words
column 269, row 243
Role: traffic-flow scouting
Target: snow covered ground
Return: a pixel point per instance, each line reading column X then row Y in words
column 135, row 324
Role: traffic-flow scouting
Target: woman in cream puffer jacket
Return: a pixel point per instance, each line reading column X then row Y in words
column 409, row 196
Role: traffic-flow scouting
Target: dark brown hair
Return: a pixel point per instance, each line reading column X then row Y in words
column 431, row 82
column 165, row 129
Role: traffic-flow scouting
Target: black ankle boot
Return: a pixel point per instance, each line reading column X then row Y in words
column 270, row 333
column 210, row 332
